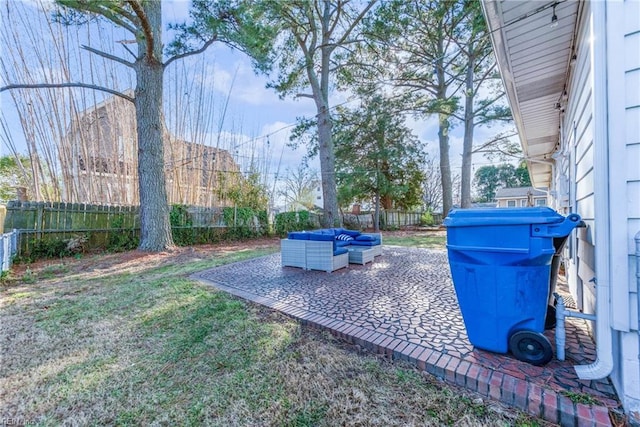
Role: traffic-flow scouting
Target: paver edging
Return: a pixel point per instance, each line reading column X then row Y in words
column 537, row 401
column 498, row 386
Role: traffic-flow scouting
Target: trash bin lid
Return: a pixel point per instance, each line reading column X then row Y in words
column 502, row 216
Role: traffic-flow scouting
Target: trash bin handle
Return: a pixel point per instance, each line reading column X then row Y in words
column 560, row 229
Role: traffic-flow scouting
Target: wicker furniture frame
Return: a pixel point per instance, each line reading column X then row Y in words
column 318, row 255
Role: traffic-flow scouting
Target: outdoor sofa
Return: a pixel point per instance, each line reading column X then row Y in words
column 329, row 249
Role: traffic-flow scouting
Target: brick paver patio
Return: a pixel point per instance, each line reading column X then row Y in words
column 404, row 305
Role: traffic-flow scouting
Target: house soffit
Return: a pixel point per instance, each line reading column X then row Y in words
column 534, row 59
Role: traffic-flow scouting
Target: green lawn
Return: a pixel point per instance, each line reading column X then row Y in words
column 417, row 240
column 129, row 340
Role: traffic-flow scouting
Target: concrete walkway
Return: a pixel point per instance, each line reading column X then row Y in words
column 403, row 305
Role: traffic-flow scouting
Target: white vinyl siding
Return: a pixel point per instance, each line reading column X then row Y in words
column 623, row 65
column 578, row 132
column 632, row 138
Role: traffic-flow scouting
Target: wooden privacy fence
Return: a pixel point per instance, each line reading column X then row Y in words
column 94, row 224
column 389, row 219
column 60, row 221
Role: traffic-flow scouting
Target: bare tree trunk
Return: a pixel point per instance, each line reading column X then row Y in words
column 376, row 215
column 154, row 209
column 467, row 145
column 325, row 138
column 443, row 126
column 445, row 164
column 327, row 169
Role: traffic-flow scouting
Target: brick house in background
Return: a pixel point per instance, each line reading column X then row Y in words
column 99, row 161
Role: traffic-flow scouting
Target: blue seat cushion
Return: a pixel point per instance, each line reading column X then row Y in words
column 343, row 243
column 321, row 237
column 366, row 238
column 340, row 251
column 352, row 233
column 328, row 231
column 298, row 235
column 365, row 243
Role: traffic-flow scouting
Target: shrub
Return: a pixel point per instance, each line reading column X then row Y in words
column 181, row 226
column 293, row 221
column 427, row 219
column 121, row 239
column 243, row 223
column 53, row 248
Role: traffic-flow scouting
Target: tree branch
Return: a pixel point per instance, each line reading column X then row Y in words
column 129, row 50
column 304, row 95
column 488, row 104
column 312, row 25
column 146, row 28
column 338, row 11
column 63, row 85
column 355, row 23
column 193, row 52
column 108, row 56
column 105, row 12
column 493, row 141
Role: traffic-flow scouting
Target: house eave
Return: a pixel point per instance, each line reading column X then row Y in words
column 533, row 60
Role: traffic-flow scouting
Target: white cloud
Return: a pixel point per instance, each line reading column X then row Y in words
column 231, row 72
column 175, row 10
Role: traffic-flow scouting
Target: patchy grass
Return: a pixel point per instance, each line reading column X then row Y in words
column 580, row 397
column 128, row 339
column 436, row 240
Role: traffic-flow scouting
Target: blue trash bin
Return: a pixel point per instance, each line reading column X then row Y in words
column 500, row 261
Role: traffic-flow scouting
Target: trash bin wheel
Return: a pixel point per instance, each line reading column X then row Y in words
column 531, row 347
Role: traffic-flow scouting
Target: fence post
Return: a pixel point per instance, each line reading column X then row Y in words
column 39, row 219
column 14, row 241
column 3, row 253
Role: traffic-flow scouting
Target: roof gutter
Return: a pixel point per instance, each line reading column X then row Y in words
column 603, row 364
column 550, row 163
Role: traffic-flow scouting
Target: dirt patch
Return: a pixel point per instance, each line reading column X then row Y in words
column 101, row 262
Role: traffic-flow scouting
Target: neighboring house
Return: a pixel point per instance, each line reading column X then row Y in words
column 574, row 90
column 520, row 197
column 99, row 159
column 483, row 205
column 318, row 200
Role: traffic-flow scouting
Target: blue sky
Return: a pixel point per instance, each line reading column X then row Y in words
column 253, row 111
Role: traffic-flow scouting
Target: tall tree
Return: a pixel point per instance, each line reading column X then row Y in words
column 143, row 20
column 312, row 38
column 377, row 157
column 436, row 55
column 480, row 76
column 412, row 39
